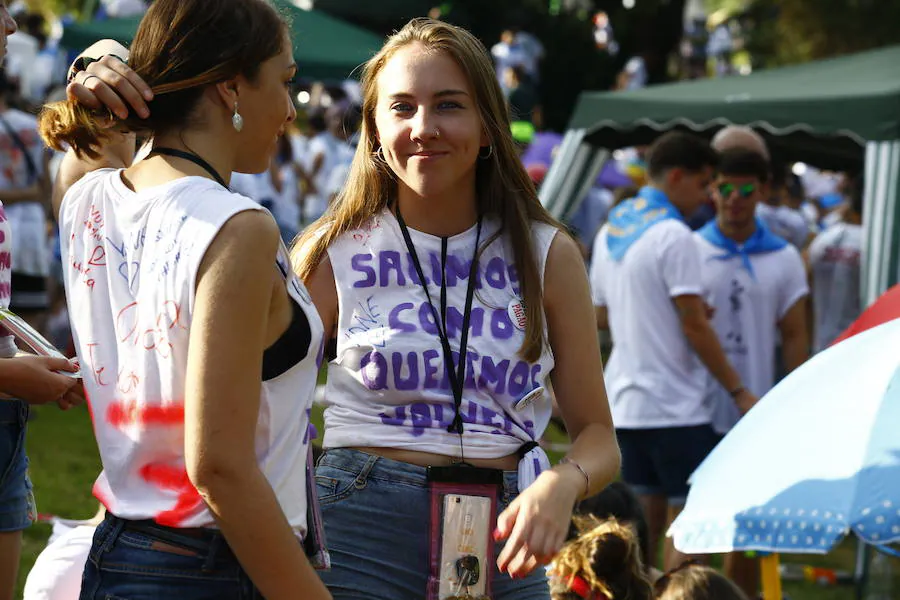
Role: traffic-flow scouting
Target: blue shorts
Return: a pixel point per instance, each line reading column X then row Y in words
column 141, row 560
column 17, row 510
column 376, row 514
column 658, row 462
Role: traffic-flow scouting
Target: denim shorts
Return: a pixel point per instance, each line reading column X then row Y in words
column 376, row 514
column 140, row 560
column 660, row 461
column 17, row 510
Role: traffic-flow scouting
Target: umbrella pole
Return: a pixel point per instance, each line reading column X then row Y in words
column 771, row 577
column 861, row 572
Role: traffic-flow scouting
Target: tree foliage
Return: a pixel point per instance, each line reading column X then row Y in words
column 793, row 31
column 58, row 7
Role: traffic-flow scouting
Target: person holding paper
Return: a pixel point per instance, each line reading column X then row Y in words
column 24, row 379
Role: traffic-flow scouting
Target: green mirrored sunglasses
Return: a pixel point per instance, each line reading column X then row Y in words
column 744, row 191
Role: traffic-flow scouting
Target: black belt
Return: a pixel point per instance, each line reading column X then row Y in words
column 174, row 535
column 208, row 544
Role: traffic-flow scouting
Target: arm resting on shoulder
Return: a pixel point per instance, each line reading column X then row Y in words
column 106, row 83
column 235, row 283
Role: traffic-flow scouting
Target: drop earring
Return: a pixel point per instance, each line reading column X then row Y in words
column 237, row 121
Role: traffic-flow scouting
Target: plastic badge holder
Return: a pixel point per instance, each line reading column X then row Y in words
column 461, row 540
column 25, row 333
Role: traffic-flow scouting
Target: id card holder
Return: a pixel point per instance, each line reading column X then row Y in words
column 461, row 555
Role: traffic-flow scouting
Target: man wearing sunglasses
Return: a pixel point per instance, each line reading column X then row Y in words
column 757, row 287
column 755, row 280
column 774, row 206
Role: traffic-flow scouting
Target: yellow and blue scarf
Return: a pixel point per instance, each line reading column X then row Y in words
column 633, row 217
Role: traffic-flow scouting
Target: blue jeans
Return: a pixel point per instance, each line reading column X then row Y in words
column 376, row 514
column 140, row 560
column 17, row 509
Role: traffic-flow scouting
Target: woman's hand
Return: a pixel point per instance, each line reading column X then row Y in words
column 105, row 84
column 74, row 397
column 110, row 83
column 536, row 523
column 36, row 379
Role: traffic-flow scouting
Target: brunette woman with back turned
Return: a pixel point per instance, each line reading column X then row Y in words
column 199, row 347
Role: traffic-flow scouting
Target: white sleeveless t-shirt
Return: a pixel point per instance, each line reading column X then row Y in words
column 130, row 264
column 387, row 386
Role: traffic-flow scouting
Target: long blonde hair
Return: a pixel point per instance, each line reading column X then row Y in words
column 606, row 555
column 503, row 188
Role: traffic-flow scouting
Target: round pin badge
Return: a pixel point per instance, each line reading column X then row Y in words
column 516, row 312
column 529, row 398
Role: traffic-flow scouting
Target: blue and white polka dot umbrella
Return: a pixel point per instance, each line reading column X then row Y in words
column 817, row 458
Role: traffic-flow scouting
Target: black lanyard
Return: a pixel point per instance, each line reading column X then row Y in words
column 190, row 156
column 457, row 378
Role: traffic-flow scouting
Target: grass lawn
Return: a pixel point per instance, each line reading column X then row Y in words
column 64, row 464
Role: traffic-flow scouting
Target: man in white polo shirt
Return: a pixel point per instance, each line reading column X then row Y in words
column 647, row 288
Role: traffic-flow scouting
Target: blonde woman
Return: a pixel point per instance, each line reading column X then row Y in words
column 455, row 300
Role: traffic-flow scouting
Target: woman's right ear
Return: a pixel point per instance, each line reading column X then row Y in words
column 228, row 93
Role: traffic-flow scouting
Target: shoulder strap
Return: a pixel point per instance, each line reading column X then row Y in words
column 29, row 162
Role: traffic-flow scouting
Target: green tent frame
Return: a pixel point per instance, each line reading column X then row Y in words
column 325, row 47
column 838, row 113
